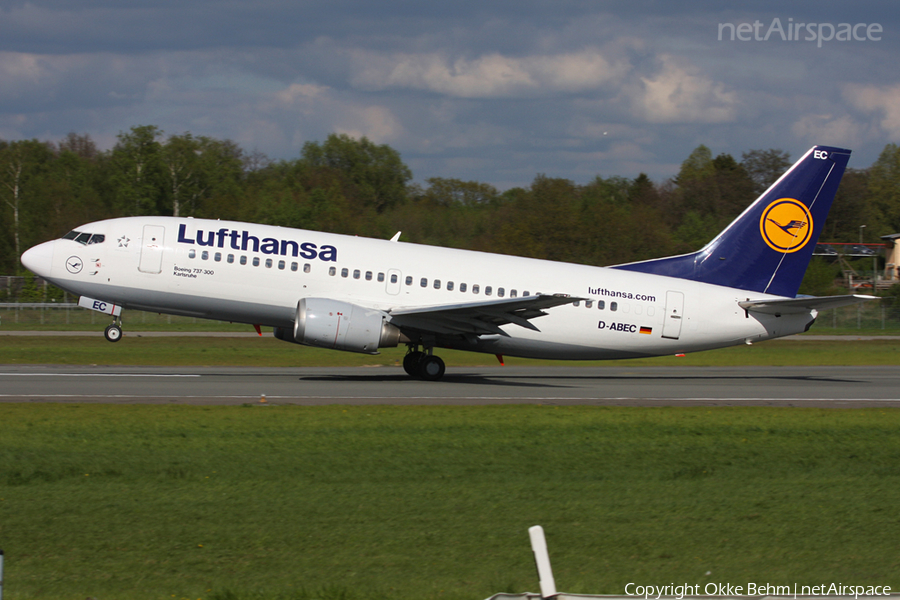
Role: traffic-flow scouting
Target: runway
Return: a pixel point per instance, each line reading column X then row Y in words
column 832, row 387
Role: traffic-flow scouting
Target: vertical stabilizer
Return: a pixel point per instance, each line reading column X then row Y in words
column 768, row 247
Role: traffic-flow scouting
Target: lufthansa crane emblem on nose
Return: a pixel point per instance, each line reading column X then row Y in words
column 74, row 264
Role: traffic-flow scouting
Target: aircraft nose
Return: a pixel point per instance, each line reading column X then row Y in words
column 39, row 259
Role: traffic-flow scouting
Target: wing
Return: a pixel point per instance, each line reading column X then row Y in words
column 787, row 306
column 478, row 318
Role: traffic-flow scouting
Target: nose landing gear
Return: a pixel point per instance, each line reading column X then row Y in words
column 113, row 332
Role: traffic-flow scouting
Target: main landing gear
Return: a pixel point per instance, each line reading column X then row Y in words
column 113, row 332
column 423, row 365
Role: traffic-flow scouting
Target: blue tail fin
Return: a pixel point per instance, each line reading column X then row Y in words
column 768, row 247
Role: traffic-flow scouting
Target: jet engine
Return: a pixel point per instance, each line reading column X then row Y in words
column 341, row 326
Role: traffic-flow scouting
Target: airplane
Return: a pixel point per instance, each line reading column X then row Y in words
column 361, row 294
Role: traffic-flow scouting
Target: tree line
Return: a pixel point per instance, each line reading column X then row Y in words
column 354, row 186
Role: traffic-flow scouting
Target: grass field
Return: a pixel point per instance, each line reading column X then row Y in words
column 268, row 351
column 346, row 503
column 390, row 502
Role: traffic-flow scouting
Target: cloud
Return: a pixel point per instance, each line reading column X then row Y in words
column 829, row 130
column 302, row 112
column 491, row 75
column 680, row 94
column 876, row 99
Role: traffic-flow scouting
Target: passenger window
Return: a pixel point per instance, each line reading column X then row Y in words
column 462, row 287
column 281, row 265
column 437, row 284
column 345, row 272
column 230, row 259
column 513, row 294
column 588, row 303
column 204, row 255
column 381, row 278
column 192, row 253
column 268, row 263
column 613, row 306
column 393, row 277
column 368, row 275
column 601, row 304
column 449, row 286
column 294, row 267
column 488, row 290
column 501, row 292
column 476, row 288
column 332, row 271
column 356, row 273
column 307, row 268
column 255, row 261
column 576, row 303
column 217, row 257
column 424, row 282
column 408, row 280
column 526, row 293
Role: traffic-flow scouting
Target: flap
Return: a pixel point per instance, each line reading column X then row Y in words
column 479, row 318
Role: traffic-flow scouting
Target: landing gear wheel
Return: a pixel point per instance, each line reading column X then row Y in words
column 431, row 368
column 113, row 333
column 411, row 363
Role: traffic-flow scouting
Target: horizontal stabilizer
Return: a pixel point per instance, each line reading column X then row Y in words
column 793, row 306
column 478, row 318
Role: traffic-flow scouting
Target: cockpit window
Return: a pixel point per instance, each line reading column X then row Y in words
column 85, row 238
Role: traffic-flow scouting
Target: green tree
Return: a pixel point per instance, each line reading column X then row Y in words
column 221, row 180
column 734, row 187
column 884, row 191
column 137, row 172
column 22, row 165
column 850, row 208
column 181, row 162
column 447, row 192
column 72, row 195
column 819, row 278
column 698, row 166
column 765, row 167
column 376, row 171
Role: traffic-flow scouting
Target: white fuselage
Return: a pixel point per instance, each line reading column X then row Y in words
column 257, row 274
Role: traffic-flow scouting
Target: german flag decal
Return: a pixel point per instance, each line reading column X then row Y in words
column 647, row 330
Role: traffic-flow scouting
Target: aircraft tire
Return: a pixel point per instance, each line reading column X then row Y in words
column 431, row 368
column 412, row 362
column 113, row 333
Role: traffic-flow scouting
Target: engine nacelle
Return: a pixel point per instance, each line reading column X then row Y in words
column 341, row 326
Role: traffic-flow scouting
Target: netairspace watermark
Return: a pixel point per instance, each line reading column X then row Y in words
column 680, row 591
column 797, row 32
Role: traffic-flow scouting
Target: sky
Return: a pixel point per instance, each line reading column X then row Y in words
column 491, row 91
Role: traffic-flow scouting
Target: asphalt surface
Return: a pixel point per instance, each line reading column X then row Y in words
column 240, row 334
column 832, row 387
